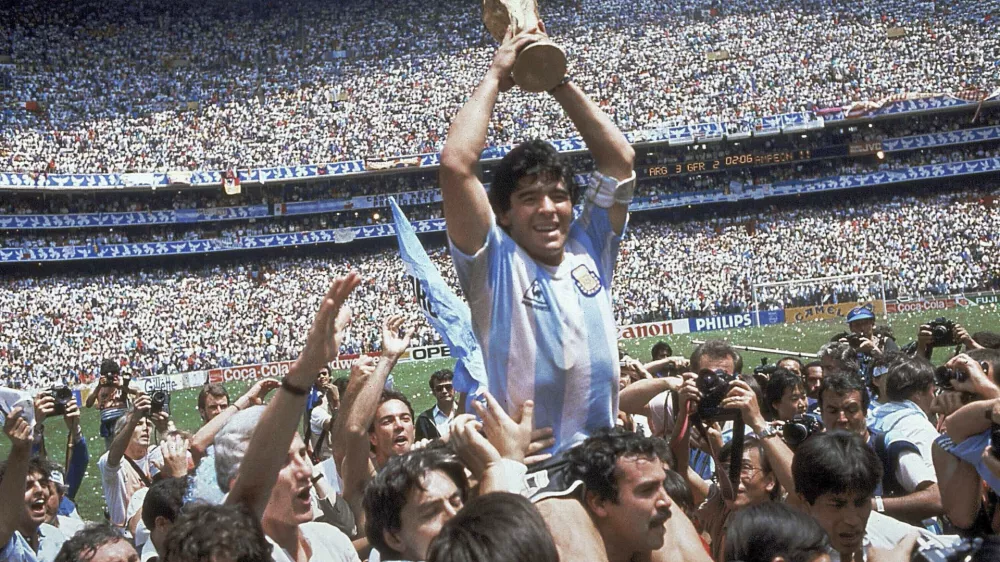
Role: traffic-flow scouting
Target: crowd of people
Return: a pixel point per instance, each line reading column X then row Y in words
column 193, row 318
column 195, row 86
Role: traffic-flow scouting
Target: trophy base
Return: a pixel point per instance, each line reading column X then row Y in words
column 540, row 67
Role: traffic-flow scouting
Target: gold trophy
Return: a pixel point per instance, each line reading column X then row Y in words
column 540, row 66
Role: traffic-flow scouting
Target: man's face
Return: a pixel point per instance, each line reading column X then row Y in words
column 844, row 517
column 214, row 405
column 444, row 393
column 36, row 496
column 844, row 411
column 639, row 517
column 814, row 379
column 793, row 403
column 755, row 485
column 118, row 551
column 725, row 363
column 428, row 507
column 829, row 364
column 291, row 501
column 862, row 327
column 539, row 217
column 158, row 534
column 52, row 503
column 140, row 437
column 393, row 432
column 322, row 379
column 790, row 365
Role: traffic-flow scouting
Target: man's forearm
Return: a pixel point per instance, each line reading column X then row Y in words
column 636, row 396
column 467, row 135
column 120, row 443
column 914, row 508
column 969, row 420
column 611, row 151
column 12, row 491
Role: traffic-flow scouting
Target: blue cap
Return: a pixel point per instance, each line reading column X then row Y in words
column 859, row 313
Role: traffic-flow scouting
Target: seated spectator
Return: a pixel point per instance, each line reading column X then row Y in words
column 433, row 422
column 204, row 533
column 97, row 543
column 497, row 527
column 24, row 489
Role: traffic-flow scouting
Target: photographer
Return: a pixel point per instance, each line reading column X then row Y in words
column 47, row 406
column 958, row 453
column 943, row 333
column 131, row 444
column 111, row 397
column 869, row 346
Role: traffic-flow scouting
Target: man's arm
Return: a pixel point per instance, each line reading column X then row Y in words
column 466, row 206
column 12, row 485
column 959, row 487
column 611, row 151
column 205, row 436
column 922, row 503
column 268, row 448
column 92, row 397
column 117, row 449
column 634, row 399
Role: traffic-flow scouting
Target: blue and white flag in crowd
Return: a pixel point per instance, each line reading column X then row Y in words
column 443, row 309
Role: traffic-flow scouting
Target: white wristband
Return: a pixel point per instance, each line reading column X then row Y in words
column 879, row 504
column 605, row 191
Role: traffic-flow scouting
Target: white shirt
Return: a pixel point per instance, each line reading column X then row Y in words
column 318, row 418
column 113, row 482
column 442, row 421
column 885, row 532
column 70, row 525
column 328, row 544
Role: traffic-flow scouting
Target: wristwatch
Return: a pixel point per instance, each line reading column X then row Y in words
column 769, row 431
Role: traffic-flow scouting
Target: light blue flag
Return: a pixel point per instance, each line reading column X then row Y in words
column 442, row 308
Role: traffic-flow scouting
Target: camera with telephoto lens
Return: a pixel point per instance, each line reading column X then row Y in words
column 63, row 396
column 714, row 385
column 943, row 331
column 962, row 551
column 160, row 402
column 800, row 428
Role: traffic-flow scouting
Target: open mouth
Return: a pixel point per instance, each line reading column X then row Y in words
column 850, row 538
column 38, row 507
column 400, row 441
column 547, row 229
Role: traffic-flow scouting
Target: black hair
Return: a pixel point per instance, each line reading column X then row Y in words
column 164, row 499
column 843, row 383
column 110, row 367
column 835, row 462
column 386, row 495
column 35, row 466
column 595, row 460
column 215, row 389
column 533, row 157
column 496, row 527
column 439, row 376
column 661, row 348
column 751, row 442
column 204, row 533
column 781, row 380
column 388, row 395
column 716, row 349
column 82, row 546
column 679, row 491
column 907, row 377
column 811, row 365
column 845, row 355
column 989, row 340
column 766, row 531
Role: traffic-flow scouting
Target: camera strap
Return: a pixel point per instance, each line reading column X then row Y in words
column 139, row 471
column 728, row 483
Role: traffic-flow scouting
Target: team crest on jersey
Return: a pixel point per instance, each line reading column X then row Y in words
column 535, row 296
column 586, row 280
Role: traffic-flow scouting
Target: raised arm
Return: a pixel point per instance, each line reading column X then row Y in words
column 634, row 399
column 466, row 206
column 116, row 451
column 12, row 485
column 252, row 397
column 611, row 151
column 276, row 430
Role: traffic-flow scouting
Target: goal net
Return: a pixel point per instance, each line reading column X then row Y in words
column 822, row 299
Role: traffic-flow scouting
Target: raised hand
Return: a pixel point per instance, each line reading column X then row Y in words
column 327, row 332
column 175, row 456
column 17, row 430
column 510, row 437
column 45, row 404
column 393, row 345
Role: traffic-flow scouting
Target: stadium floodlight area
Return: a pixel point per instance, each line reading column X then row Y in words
column 826, row 299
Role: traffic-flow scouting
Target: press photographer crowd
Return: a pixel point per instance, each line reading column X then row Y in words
column 547, row 441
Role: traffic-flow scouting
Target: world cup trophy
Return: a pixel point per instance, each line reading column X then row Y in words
column 540, row 66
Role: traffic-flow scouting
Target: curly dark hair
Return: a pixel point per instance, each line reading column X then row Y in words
column 386, row 495
column 496, row 527
column 772, row 529
column 85, row 544
column 388, row 395
column 835, row 462
column 533, row 157
column 204, row 533
column 593, row 462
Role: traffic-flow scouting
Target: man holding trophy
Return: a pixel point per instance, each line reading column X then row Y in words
column 537, row 281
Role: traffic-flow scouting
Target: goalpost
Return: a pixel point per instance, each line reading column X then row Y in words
column 822, row 298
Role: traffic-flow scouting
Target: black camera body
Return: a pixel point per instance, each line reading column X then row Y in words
column 943, row 331
column 160, row 402
column 714, row 385
column 854, row 340
column 943, row 376
column 800, row 428
column 960, row 552
column 63, row 396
